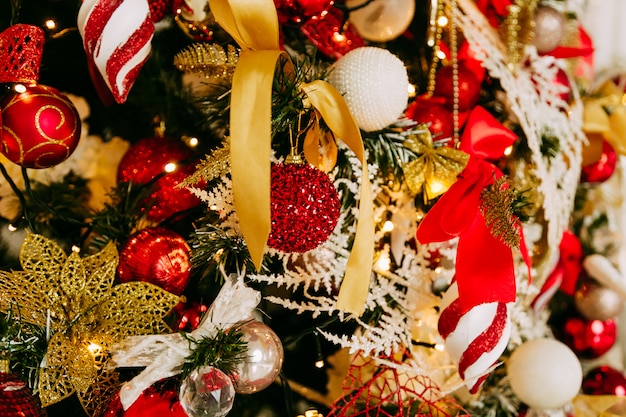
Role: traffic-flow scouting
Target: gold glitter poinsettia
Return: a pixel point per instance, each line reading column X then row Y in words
column 75, row 298
column 437, row 167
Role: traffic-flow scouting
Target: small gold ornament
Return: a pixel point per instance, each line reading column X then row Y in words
column 75, row 299
column 209, row 60
column 496, row 204
column 437, row 167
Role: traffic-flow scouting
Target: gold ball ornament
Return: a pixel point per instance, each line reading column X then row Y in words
column 381, row 20
column 597, row 302
column 550, row 27
column 544, row 373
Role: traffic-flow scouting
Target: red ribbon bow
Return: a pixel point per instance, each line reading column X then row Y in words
column 484, row 263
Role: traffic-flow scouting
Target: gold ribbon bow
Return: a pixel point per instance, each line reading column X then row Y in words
column 436, row 169
column 599, row 406
column 604, row 118
column 253, row 24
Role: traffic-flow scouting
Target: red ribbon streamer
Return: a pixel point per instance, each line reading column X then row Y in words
column 484, row 264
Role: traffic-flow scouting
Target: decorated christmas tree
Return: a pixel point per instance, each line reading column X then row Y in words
column 311, row 208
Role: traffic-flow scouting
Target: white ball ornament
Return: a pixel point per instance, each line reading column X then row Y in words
column 544, row 373
column 375, row 85
column 381, row 20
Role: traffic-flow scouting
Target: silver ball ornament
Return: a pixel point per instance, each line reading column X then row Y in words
column 549, row 29
column 597, row 302
column 375, row 85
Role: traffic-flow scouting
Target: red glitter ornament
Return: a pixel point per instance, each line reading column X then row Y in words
column 21, row 50
column 167, row 199
column 153, row 156
column 41, row 127
column 604, row 380
column 299, row 11
column 602, row 169
column 589, row 339
column 304, row 207
column 158, row 400
column 330, row 37
column 156, row 255
column 469, row 86
column 147, row 158
column 16, row 399
column 159, row 9
column 434, row 115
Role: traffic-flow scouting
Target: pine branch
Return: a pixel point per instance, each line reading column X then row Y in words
column 224, row 351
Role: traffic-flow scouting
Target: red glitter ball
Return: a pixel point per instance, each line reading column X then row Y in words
column 329, row 37
column 167, row 199
column 304, row 206
column 299, row 11
column 16, row 399
column 156, row 255
column 159, row 8
column 602, row 169
column 146, row 158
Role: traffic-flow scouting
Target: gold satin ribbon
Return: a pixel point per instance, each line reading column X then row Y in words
column 604, row 118
column 254, row 26
column 599, row 406
column 436, row 169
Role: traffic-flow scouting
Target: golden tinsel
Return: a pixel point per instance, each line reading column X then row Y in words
column 207, row 59
column 496, row 205
column 216, row 164
column 435, row 169
column 517, row 29
column 75, row 299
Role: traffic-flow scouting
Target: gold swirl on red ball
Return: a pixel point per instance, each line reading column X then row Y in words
column 41, row 127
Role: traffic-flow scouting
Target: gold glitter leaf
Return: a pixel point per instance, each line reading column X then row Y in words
column 86, row 315
column 214, row 166
column 208, row 59
column 497, row 207
column 436, row 169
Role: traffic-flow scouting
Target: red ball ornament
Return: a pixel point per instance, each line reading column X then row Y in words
column 604, row 380
column 304, row 207
column 589, row 339
column 16, row 399
column 469, row 86
column 300, row 11
column 147, row 158
column 156, row 255
column 159, row 9
column 167, row 199
column 602, row 169
column 40, row 126
column 158, row 400
column 435, row 115
column 330, row 37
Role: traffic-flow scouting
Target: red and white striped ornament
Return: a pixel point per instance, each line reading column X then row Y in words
column 116, row 37
column 476, row 339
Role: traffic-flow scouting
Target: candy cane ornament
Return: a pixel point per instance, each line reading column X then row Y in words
column 474, row 340
column 116, row 37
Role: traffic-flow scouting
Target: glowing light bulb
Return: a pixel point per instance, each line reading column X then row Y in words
column 94, row 348
column 440, row 347
column 170, row 167
column 12, row 228
column 193, row 142
column 51, row 24
column 339, row 37
column 388, row 226
column 442, row 21
column 75, row 249
column 508, row 150
column 319, row 364
column 20, row 88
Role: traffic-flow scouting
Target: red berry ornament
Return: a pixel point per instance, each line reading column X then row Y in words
column 304, row 207
column 604, row 380
column 602, row 169
column 156, row 255
column 329, row 35
column 40, row 126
